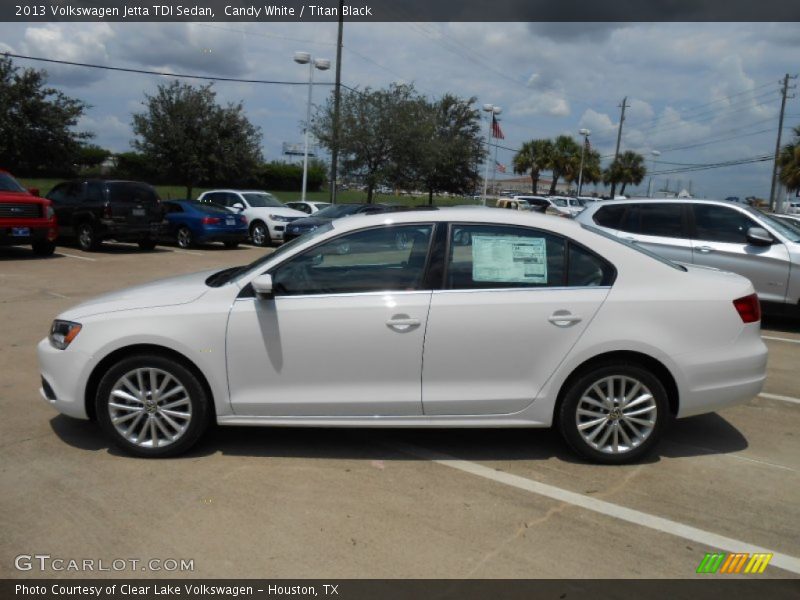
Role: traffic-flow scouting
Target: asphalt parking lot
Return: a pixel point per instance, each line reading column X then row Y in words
column 294, row 503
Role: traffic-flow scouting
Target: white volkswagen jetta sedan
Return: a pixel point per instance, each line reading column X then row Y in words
column 487, row 318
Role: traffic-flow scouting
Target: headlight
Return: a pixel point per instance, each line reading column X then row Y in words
column 49, row 213
column 62, row 333
column 281, row 218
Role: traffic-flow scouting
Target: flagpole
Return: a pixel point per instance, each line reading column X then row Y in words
column 494, row 170
column 492, row 110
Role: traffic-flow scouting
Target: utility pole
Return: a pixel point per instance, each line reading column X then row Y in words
column 623, row 106
column 784, row 92
column 337, row 96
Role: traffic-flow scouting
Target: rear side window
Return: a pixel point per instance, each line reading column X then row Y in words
column 609, row 216
column 125, row 191
column 94, row 191
column 721, row 224
column 664, row 220
column 587, row 269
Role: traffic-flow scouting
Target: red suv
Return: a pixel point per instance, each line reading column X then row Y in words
column 25, row 218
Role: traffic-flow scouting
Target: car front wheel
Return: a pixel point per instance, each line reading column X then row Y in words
column 614, row 414
column 152, row 406
column 259, row 234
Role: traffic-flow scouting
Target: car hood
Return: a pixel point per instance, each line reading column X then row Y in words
column 164, row 292
column 284, row 211
column 21, row 197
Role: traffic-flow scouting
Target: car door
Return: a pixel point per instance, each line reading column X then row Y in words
column 65, row 197
column 720, row 241
column 343, row 335
column 509, row 313
column 661, row 227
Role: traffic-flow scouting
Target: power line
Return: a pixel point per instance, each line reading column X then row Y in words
column 720, row 165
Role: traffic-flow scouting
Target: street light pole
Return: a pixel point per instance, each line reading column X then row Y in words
column 655, row 154
column 492, row 110
column 585, row 133
column 323, row 65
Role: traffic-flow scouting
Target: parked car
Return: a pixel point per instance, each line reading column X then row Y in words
column 566, row 206
column 267, row 217
column 308, row 207
column 326, row 215
column 534, row 203
column 93, row 210
column 190, row 222
column 793, row 220
column 793, row 208
column 711, row 233
column 562, row 324
column 25, row 218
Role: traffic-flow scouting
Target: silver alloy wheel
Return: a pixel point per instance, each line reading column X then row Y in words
column 616, row 414
column 149, row 407
column 85, row 236
column 184, row 237
column 259, row 235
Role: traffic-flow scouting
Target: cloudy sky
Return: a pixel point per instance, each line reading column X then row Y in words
column 699, row 93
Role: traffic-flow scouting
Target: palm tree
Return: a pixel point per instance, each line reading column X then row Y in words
column 565, row 160
column 789, row 163
column 533, row 157
column 628, row 168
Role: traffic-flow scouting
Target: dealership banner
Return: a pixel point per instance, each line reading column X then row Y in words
column 390, row 589
column 398, row 10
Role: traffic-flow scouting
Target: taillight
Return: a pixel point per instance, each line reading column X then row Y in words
column 210, row 220
column 748, row 308
column 242, row 219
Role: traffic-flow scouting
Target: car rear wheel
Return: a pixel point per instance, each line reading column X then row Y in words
column 87, row 237
column 152, row 406
column 259, row 233
column 184, row 238
column 614, row 413
column 44, row 248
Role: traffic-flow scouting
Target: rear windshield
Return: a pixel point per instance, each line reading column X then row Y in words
column 128, row 191
column 262, row 200
column 9, row 184
column 211, row 209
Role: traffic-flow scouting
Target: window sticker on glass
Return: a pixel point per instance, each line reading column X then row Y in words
column 509, row 259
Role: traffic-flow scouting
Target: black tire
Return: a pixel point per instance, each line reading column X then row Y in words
column 259, row 234
column 43, row 248
column 184, row 238
column 197, row 397
column 87, row 237
column 147, row 244
column 231, row 245
column 614, row 416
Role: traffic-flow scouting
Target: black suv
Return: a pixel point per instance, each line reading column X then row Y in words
column 93, row 210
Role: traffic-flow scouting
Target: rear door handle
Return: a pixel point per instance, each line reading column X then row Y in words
column 631, row 240
column 704, row 249
column 563, row 318
column 402, row 323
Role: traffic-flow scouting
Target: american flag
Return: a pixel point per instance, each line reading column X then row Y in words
column 499, row 167
column 496, row 131
column 586, row 144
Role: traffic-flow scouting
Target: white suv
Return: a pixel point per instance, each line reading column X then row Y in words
column 267, row 217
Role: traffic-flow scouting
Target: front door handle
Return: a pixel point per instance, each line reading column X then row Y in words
column 632, row 240
column 704, row 249
column 402, row 323
column 564, row 318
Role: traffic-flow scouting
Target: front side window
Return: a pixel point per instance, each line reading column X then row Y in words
column 721, row 224
column 390, row 258
column 496, row 256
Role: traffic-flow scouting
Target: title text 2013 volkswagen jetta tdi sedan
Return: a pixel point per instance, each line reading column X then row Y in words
column 481, row 318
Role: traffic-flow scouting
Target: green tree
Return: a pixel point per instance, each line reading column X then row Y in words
column 91, row 156
column 37, row 135
column 789, row 163
column 629, row 167
column 374, row 126
column 565, row 160
column 443, row 147
column 195, row 140
column 533, row 157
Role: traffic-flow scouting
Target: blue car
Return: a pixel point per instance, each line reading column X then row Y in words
column 190, row 222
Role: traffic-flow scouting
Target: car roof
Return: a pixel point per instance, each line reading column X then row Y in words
column 668, row 201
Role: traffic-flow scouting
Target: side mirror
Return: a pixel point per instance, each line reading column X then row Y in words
column 262, row 286
column 238, row 206
column 33, row 191
column 758, row 236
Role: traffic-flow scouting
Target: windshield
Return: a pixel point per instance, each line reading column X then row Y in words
column 633, row 246
column 338, row 210
column 9, row 184
column 784, row 227
column 261, row 199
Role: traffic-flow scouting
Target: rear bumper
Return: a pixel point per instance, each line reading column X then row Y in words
column 223, row 235
column 125, row 232
column 730, row 376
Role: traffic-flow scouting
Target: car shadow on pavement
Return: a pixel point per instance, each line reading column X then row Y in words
column 784, row 323
column 22, row 253
column 696, row 436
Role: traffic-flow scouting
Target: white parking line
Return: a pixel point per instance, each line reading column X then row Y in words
column 781, row 398
column 75, row 256
column 780, row 339
column 701, row 536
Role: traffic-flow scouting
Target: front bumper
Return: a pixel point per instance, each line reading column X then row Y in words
column 65, row 372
